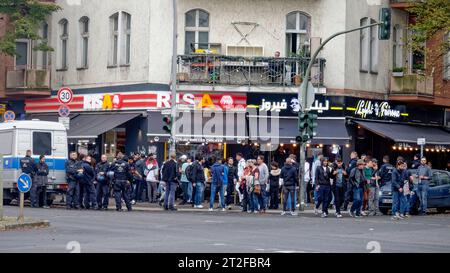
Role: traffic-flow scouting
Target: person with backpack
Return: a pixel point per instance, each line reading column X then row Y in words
column 185, row 162
column 385, row 171
column 338, row 186
column 349, row 189
column 288, row 180
column 196, row 175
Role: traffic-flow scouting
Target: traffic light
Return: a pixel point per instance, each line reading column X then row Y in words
column 312, row 125
column 307, row 123
column 384, row 30
column 168, row 124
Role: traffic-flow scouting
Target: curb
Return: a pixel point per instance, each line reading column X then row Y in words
column 28, row 224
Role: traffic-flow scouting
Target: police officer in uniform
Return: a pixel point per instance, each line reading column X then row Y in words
column 41, row 180
column 28, row 166
column 122, row 175
column 102, row 170
column 90, row 197
column 72, row 167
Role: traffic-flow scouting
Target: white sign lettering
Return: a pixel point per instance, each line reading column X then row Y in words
column 383, row 109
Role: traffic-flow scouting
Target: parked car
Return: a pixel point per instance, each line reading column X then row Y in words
column 438, row 194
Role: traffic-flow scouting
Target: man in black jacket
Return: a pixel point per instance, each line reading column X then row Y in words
column 73, row 192
column 232, row 178
column 349, row 189
column 170, row 174
column 199, row 181
column 40, row 183
column 386, row 171
column 323, row 187
column 90, row 196
column 122, row 185
column 289, row 175
column 101, row 171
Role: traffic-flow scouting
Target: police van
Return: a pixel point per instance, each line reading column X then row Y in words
column 42, row 138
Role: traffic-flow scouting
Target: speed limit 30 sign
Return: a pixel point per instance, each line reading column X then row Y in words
column 65, row 95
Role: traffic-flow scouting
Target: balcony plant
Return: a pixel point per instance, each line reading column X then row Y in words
column 398, row 71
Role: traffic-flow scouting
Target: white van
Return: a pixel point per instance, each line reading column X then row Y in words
column 42, row 138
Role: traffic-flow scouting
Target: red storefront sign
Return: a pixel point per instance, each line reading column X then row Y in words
column 139, row 101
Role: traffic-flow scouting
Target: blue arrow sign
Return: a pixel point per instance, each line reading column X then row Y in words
column 24, row 183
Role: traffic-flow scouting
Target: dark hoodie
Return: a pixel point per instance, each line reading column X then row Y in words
column 289, row 175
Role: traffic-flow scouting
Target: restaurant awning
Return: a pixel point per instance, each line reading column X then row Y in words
column 408, row 133
column 328, row 132
column 88, row 126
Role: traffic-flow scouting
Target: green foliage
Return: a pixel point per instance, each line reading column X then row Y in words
column 25, row 18
column 399, row 69
column 432, row 17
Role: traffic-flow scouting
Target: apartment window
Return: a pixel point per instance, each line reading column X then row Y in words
column 120, row 39
column 373, row 47
column 126, row 30
column 84, row 42
column 22, row 49
column 364, row 46
column 298, row 25
column 64, row 37
column 447, row 59
column 114, row 39
column 397, row 47
column 368, row 47
column 196, row 30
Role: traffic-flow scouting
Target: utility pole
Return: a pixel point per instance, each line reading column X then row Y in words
column 174, row 77
column 302, row 96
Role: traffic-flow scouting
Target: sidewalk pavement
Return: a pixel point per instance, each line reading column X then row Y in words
column 144, row 206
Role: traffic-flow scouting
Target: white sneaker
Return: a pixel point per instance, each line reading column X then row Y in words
column 223, row 209
column 363, row 213
column 338, row 215
column 317, row 212
column 210, row 209
column 293, row 213
column 283, row 213
column 199, row 206
column 324, row 215
column 133, row 202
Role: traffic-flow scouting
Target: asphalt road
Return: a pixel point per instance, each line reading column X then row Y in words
column 192, row 232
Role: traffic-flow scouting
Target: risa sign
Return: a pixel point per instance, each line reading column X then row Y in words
column 102, row 102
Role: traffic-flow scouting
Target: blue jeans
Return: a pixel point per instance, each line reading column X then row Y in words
column 323, row 198
column 254, row 204
column 214, row 189
column 190, row 191
column 357, row 200
column 198, row 193
column 405, row 204
column 262, row 198
column 422, row 193
column 398, row 202
column 169, row 199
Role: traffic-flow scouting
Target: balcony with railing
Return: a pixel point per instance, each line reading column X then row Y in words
column 203, row 69
column 411, row 87
column 28, row 81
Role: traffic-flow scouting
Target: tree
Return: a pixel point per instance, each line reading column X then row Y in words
column 25, row 19
column 432, row 18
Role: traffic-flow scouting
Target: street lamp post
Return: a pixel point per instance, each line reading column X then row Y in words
column 303, row 95
column 174, row 77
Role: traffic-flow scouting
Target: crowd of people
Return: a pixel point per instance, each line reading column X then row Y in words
column 249, row 184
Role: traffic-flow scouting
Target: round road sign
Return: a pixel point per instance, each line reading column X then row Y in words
column 65, row 95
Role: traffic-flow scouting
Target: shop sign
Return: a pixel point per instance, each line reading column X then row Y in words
column 289, row 105
column 383, row 109
column 102, row 102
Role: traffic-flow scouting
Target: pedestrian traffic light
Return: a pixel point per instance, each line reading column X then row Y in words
column 168, row 124
column 312, row 124
column 384, row 30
